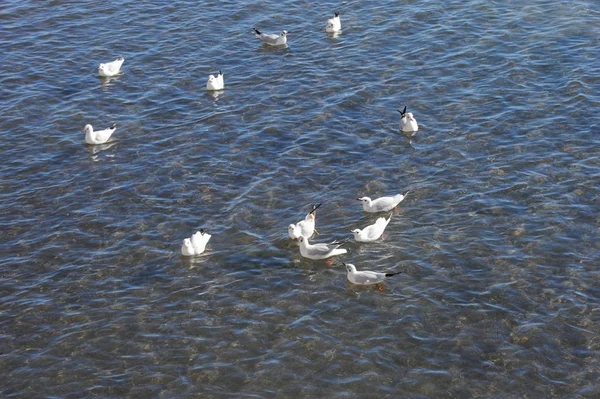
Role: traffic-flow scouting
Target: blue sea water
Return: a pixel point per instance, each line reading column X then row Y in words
column 498, row 240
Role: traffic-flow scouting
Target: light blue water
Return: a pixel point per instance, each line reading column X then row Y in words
column 498, row 239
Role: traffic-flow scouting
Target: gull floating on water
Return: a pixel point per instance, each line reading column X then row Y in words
column 304, row 227
column 320, row 251
column 371, row 232
column 271, row 39
column 215, row 83
column 408, row 123
column 196, row 244
column 110, row 68
column 383, row 204
column 334, row 24
column 99, row 137
column 366, row 277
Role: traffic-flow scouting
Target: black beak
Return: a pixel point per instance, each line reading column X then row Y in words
column 314, row 208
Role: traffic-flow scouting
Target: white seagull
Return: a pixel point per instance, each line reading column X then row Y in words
column 320, row 251
column 271, row 39
column 304, row 227
column 99, row 137
column 334, row 24
column 383, row 204
column 408, row 123
column 110, row 68
column 366, row 277
column 196, row 244
column 371, row 232
column 215, row 83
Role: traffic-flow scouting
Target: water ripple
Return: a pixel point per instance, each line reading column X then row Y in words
column 497, row 240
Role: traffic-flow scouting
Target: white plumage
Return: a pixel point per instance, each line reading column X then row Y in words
column 196, row 244
column 271, row 39
column 100, row 136
column 320, row 251
column 215, row 83
column 372, row 232
column 334, row 24
column 383, row 204
column 304, row 227
column 110, row 68
column 366, row 277
column 408, row 123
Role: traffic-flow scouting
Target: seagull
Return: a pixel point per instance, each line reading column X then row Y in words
column 304, row 227
column 334, row 24
column 271, row 39
column 408, row 123
column 196, row 244
column 320, row 251
column 372, row 232
column 383, row 204
column 110, row 68
column 99, row 137
column 366, row 277
column 215, row 83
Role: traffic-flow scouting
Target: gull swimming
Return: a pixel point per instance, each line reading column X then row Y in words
column 408, row 123
column 383, row 204
column 372, row 232
column 110, row 68
column 215, row 83
column 271, row 39
column 100, row 136
column 366, row 277
column 196, row 244
column 334, row 24
column 304, row 227
column 320, row 251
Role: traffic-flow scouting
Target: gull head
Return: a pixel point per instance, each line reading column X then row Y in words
column 350, row 267
column 302, row 240
column 120, row 59
column 88, row 129
column 292, row 231
column 101, row 67
column 336, row 14
column 410, row 116
column 356, row 232
column 365, row 200
column 211, row 78
column 187, row 248
column 283, row 33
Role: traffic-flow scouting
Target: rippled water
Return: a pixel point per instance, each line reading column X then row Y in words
column 498, row 239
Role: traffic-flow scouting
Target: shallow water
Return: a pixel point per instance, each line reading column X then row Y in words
column 498, row 239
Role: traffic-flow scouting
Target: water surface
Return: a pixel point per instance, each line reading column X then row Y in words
column 498, row 239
